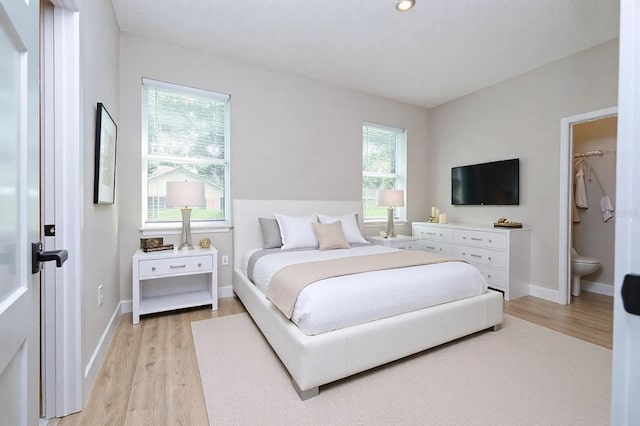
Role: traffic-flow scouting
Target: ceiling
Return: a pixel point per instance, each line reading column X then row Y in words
column 439, row 51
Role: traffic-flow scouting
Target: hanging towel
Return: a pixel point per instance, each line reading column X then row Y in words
column 581, row 189
column 575, row 214
column 606, row 207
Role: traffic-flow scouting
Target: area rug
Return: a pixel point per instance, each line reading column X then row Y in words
column 523, row 374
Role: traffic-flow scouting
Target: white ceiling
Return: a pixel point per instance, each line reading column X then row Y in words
column 440, row 50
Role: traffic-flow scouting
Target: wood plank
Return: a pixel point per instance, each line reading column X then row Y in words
column 589, row 317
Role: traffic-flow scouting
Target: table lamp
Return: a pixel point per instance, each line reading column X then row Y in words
column 185, row 195
column 390, row 198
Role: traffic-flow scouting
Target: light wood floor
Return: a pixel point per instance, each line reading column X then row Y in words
column 150, row 373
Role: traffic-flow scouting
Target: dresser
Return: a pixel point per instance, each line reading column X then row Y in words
column 502, row 255
column 174, row 279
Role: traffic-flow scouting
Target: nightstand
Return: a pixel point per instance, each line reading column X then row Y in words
column 174, row 279
column 399, row 241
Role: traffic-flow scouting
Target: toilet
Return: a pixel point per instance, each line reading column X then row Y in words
column 581, row 265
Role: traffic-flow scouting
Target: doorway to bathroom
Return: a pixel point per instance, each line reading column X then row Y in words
column 587, row 200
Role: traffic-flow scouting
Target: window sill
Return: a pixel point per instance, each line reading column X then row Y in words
column 175, row 228
column 383, row 222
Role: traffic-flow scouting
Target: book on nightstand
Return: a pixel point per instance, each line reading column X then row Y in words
column 158, row 248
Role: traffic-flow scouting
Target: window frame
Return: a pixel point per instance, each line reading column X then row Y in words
column 176, row 225
column 400, row 176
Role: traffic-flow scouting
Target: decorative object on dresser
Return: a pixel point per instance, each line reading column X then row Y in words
column 185, row 195
column 205, row 243
column 399, row 241
column 390, row 198
column 500, row 254
column 166, row 280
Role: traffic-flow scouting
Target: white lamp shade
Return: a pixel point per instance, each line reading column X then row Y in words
column 185, row 194
column 391, row 198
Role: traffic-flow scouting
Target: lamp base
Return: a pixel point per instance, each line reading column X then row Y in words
column 186, row 230
column 390, row 231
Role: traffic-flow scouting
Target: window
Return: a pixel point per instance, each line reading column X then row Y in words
column 185, row 137
column 383, row 167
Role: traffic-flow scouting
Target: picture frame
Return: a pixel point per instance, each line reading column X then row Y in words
column 104, row 185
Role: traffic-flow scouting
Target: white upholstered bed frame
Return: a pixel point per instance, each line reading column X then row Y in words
column 316, row 360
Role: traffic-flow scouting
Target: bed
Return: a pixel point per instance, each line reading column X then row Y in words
column 315, row 360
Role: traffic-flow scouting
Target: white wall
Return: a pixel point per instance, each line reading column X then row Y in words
column 520, row 118
column 99, row 40
column 592, row 236
column 291, row 137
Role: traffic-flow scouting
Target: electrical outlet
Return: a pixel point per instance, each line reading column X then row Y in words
column 224, row 260
column 100, row 296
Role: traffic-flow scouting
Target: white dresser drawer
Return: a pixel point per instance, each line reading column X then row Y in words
column 438, row 247
column 175, row 266
column 496, row 278
column 481, row 256
column 433, row 232
column 481, row 238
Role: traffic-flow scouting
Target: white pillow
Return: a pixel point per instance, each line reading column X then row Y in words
column 349, row 226
column 297, row 231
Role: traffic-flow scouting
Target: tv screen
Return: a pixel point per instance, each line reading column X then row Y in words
column 496, row 183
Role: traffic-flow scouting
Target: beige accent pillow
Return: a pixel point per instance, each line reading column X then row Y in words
column 330, row 235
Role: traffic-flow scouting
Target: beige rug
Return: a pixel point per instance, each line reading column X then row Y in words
column 522, row 375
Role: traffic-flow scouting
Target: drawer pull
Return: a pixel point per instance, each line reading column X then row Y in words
column 476, row 255
column 488, row 275
column 177, row 266
column 199, row 264
column 431, row 247
column 153, row 268
column 490, row 241
column 489, row 258
column 476, row 239
column 430, row 233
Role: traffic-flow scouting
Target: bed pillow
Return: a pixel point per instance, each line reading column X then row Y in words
column 330, row 236
column 296, row 231
column 349, row 226
column 270, row 233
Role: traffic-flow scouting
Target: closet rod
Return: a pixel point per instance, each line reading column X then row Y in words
column 587, row 154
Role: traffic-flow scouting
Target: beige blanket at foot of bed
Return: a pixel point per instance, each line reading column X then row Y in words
column 288, row 282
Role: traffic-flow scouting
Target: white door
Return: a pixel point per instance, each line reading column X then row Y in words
column 19, row 212
column 626, row 327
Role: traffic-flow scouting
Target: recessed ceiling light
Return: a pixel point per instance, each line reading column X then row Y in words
column 404, row 5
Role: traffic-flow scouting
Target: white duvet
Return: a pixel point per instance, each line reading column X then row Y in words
column 344, row 301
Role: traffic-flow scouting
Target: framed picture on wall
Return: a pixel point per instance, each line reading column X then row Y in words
column 104, row 185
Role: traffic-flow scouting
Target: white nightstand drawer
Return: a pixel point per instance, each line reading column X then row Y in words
column 481, row 256
column 406, row 245
column 480, row 238
column 433, row 233
column 496, row 278
column 175, row 266
column 438, row 247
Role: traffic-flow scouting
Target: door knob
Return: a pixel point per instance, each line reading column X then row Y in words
column 38, row 256
column 631, row 294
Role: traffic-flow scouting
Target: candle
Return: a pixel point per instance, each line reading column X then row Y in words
column 437, row 212
column 443, row 218
column 433, row 212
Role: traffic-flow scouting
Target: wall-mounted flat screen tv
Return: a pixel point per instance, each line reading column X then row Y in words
column 489, row 184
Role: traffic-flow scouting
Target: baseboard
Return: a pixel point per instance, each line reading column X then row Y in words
column 225, row 291
column 596, row 287
column 93, row 367
column 126, row 306
column 543, row 293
